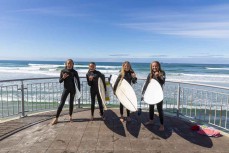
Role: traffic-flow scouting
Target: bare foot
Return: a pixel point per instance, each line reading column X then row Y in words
column 150, row 122
column 122, row 119
column 70, row 119
column 54, row 121
column 161, row 128
column 92, row 117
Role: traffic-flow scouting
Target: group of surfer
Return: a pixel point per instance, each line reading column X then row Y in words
column 70, row 76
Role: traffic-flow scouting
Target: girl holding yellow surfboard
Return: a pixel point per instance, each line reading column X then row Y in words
column 92, row 79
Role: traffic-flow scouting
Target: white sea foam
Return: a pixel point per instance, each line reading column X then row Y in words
column 76, row 66
column 99, row 66
column 45, row 65
column 218, row 79
column 9, row 68
column 201, row 75
column 214, row 68
column 52, row 69
column 29, row 68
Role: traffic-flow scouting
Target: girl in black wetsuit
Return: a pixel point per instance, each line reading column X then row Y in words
column 128, row 74
column 158, row 74
column 68, row 76
column 92, row 80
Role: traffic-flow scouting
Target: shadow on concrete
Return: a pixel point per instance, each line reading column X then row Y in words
column 183, row 129
column 81, row 120
column 113, row 123
column 176, row 125
column 134, row 126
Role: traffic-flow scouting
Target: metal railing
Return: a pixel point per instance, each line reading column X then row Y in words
column 196, row 101
column 23, row 96
column 206, row 103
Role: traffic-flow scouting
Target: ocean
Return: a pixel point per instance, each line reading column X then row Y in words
column 211, row 74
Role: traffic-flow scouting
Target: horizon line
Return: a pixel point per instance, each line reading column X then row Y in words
column 187, row 60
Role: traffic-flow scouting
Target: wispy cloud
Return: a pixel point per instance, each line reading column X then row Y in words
column 201, row 33
column 140, row 54
column 207, row 56
column 53, row 11
column 206, row 22
column 159, row 56
column 119, row 55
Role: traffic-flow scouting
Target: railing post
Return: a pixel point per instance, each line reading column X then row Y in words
column 22, row 100
column 81, row 95
column 79, row 103
column 178, row 100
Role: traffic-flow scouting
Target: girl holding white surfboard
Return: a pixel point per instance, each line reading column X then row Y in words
column 159, row 75
column 128, row 74
column 68, row 76
column 92, row 79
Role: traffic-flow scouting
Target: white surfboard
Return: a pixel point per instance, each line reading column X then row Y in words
column 78, row 93
column 113, row 79
column 102, row 92
column 125, row 93
column 153, row 93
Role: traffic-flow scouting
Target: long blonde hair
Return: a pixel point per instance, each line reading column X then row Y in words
column 123, row 71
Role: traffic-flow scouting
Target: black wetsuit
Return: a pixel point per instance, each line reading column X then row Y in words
column 69, row 87
column 95, row 90
column 161, row 80
column 129, row 79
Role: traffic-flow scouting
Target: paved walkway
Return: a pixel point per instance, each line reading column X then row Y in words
column 84, row 136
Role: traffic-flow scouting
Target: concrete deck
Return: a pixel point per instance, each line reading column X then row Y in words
column 34, row 134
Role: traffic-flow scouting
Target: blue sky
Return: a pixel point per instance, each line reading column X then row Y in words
column 115, row 30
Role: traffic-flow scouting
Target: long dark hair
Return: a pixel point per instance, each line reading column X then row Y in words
column 151, row 70
column 69, row 60
column 93, row 63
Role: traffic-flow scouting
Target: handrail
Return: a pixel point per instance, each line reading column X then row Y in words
column 181, row 82
column 26, row 79
column 196, row 84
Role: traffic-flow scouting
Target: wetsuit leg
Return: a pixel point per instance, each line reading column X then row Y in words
column 62, row 102
column 121, row 109
column 151, row 112
column 128, row 112
column 160, row 112
column 71, row 102
column 100, row 104
column 92, row 102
